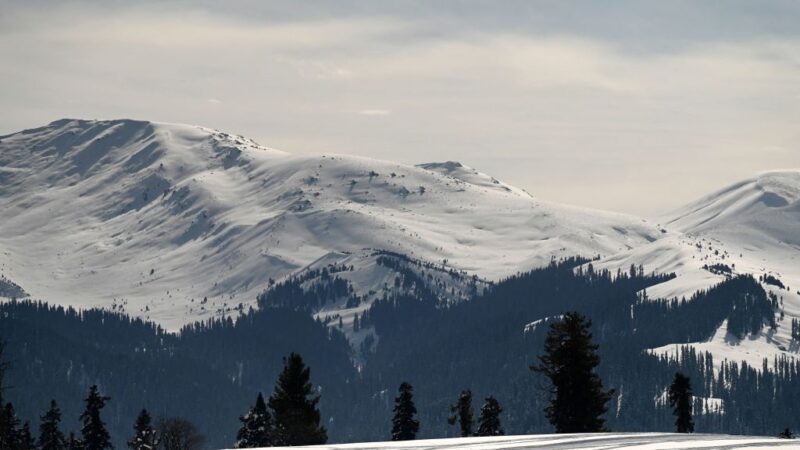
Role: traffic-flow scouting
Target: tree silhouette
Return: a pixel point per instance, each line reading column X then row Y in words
column 489, row 421
column 50, row 436
column 680, row 399
column 144, row 437
column 569, row 361
column 256, row 430
column 95, row 435
column 404, row 425
column 462, row 412
column 297, row 418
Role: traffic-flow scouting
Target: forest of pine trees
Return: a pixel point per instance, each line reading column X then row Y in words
column 497, row 335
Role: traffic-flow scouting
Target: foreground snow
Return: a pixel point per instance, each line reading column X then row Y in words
column 630, row 441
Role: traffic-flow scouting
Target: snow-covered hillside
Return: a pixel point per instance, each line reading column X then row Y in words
column 604, row 441
column 750, row 227
column 175, row 222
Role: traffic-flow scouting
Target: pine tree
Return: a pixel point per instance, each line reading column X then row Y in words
column 95, row 435
column 404, row 425
column 570, row 359
column 50, row 436
column 7, row 424
column 297, row 418
column 489, row 421
column 25, row 439
column 680, row 399
column 144, row 437
column 8, row 427
column 256, row 430
column 462, row 412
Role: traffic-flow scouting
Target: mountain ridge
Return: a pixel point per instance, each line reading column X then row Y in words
column 134, row 211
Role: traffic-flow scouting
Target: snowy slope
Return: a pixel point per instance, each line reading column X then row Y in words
column 177, row 222
column 752, row 226
column 604, row 441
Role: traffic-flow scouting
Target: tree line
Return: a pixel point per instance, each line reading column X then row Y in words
column 291, row 417
column 441, row 348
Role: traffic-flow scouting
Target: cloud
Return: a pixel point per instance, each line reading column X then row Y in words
column 375, row 112
column 575, row 91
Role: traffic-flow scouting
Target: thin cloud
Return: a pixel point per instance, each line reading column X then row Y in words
column 375, row 112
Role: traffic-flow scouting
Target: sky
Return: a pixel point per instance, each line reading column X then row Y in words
column 631, row 106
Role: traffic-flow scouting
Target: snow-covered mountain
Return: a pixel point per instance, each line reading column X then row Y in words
column 176, row 223
column 750, row 227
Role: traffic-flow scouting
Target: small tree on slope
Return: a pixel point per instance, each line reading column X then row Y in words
column 404, row 425
column 95, row 435
column 297, row 418
column 462, row 412
column 569, row 361
column 256, row 430
column 680, row 399
column 489, row 421
column 50, row 436
column 144, row 437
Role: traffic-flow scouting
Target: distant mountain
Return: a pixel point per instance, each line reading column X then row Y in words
column 750, row 227
column 177, row 223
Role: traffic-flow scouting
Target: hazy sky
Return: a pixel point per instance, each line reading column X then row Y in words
column 629, row 106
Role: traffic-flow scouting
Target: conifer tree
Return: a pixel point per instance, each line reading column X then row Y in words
column 569, row 361
column 8, row 427
column 489, row 421
column 256, row 430
column 404, row 425
column 7, row 421
column 680, row 399
column 25, row 439
column 50, row 436
column 94, row 433
column 297, row 418
column 462, row 412
column 144, row 437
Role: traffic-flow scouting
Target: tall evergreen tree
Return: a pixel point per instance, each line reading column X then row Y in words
column 50, row 436
column 7, row 421
column 144, row 437
column 680, row 399
column 404, row 425
column 569, row 361
column 9, row 434
column 462, row 412
column 95, row 435
column 297, row 418
column 25, row 439
column 256, row 430
column 489, row 421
